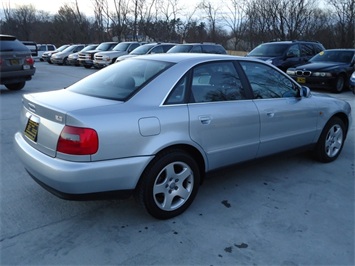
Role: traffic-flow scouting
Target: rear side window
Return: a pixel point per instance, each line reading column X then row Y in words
column 12, row 45
column 213, row 49
column 196, row 49
column 217, row 81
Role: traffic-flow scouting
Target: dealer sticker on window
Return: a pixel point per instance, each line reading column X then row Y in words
column 31, row 129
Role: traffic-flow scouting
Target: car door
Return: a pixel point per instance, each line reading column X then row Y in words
column 223, row 120
column 287, row 120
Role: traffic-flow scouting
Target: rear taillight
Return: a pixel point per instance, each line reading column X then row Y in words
column 78, row 141
column 29, row 60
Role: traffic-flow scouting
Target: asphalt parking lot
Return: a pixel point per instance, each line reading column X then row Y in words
column 284, row 210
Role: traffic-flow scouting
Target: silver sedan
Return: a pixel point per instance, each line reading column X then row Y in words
column 153, row 126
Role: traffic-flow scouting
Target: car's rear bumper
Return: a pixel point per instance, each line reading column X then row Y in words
column 77, row 178
column 17, row 76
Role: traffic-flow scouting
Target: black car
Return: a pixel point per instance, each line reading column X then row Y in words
column 286, row 54
column 208, row 48
column 330, row 69
column 16, row 63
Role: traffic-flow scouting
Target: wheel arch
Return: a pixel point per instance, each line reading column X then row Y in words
column 193, row 152
column 343, row 117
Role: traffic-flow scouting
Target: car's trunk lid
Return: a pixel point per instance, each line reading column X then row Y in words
column 44, row 115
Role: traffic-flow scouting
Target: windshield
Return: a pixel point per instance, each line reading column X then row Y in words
column 89, row 47
column 269, row 50
column 180, row 49
column 104, row 46
column 120, row 81
column 62, row 48
column 333, row 56
column 142, row 49
column 121, row 47
column 69, row 49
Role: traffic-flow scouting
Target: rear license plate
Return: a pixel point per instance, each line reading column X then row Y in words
column 14, row 61
column 301, row 80
column 31, row 129
column 26, row 67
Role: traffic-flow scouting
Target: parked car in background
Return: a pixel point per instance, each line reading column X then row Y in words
column 46, row 56
column 16, row 63
column 32, row 46
column 73, row 59
column 139, row 126
column 352, row 82
column 42, row 48
column 86, row 58
column 207, row 48
column 286, row 54
column 149, row 48
column 105, row 58
column 61, row 58
column 330, row 69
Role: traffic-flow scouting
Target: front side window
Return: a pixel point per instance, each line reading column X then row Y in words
column 307, row 49
column 294, row 51
column 266, row 82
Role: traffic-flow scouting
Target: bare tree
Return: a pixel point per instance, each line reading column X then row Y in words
column 279, row 19
column 344, row 11
column 211, row 15
column 236, row 20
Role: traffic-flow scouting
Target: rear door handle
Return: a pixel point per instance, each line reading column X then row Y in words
column 205, row 119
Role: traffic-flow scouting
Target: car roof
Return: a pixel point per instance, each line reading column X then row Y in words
column 180, row 57
column 341, row 49
column 7, row 37
column 291, row 42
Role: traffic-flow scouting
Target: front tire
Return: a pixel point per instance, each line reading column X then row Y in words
column 340, row 84
column 169, row 184
column 331, row 141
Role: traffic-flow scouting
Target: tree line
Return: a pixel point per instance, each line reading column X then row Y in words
column 236, row 24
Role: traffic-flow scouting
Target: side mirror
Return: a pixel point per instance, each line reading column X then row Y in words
column 305, row 92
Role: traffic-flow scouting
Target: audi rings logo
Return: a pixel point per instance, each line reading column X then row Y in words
column 304, row 73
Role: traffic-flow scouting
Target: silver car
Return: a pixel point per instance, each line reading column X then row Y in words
column 155, row 124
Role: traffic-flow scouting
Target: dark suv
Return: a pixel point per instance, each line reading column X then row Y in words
column 209, row 48
column 16, row 63
column 286, row 54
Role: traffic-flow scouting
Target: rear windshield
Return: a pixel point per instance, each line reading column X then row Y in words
column 12, row 45
column 269, row 50
column 121, row 80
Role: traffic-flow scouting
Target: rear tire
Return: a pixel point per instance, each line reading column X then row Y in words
column 169, row 184
column 15, row 86
column 331, row 141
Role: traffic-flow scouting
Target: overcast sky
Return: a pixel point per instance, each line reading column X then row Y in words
column 53, row 6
